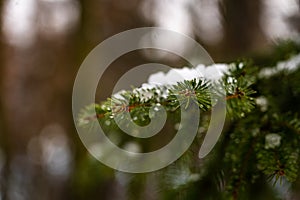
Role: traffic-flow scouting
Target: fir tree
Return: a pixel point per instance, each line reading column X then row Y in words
column 257, row 155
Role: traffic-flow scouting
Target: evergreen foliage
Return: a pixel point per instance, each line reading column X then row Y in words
column 260, row 144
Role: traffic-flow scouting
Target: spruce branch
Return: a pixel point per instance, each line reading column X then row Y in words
column 200, row 91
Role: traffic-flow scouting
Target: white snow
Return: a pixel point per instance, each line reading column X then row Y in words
column 290, row 65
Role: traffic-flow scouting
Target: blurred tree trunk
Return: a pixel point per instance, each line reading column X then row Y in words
column 36, row 93
column 3, row 133
column 241, row 27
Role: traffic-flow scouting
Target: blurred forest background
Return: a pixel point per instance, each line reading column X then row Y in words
column 43, row 43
